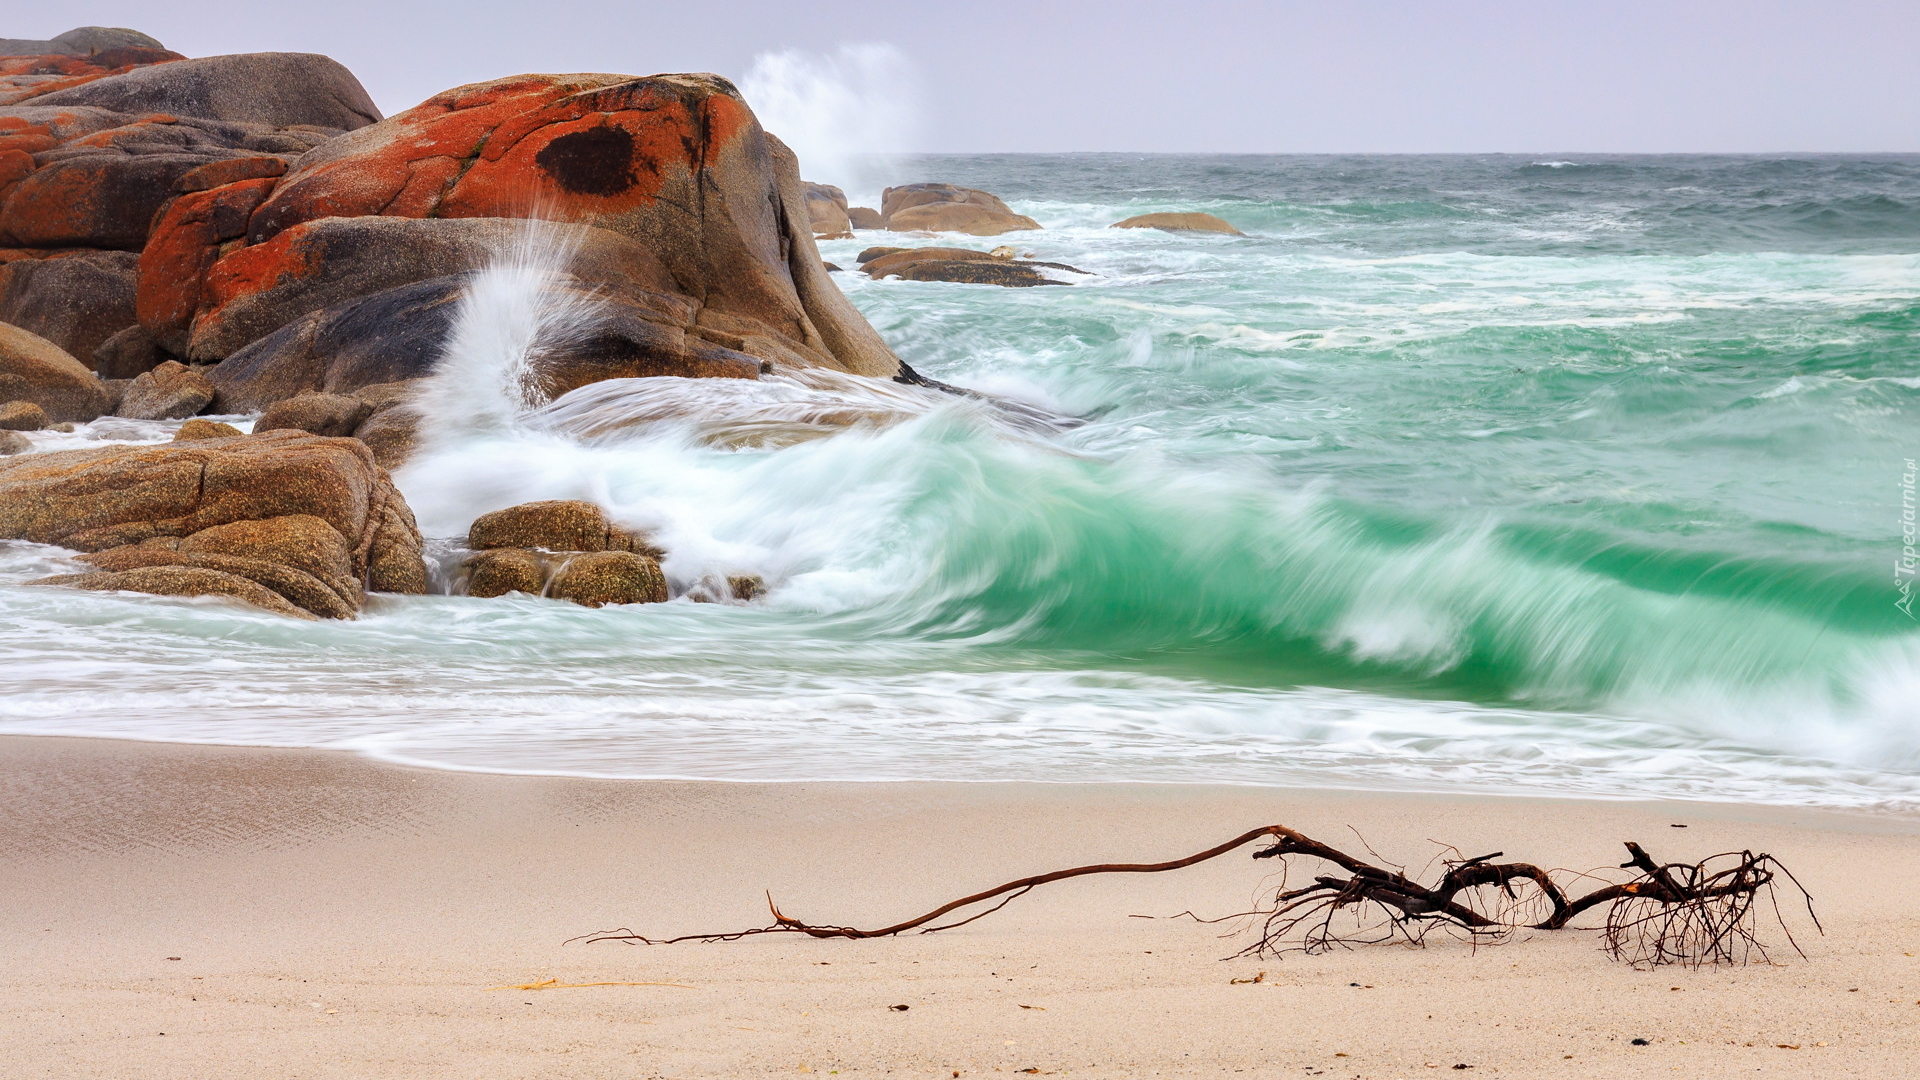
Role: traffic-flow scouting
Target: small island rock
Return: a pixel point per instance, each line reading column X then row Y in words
column 1170, row 222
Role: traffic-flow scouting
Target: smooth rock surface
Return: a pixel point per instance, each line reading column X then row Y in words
column 275, row 89
column 35, row 369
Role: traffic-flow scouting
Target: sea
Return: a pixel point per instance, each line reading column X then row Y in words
column 1549, row 475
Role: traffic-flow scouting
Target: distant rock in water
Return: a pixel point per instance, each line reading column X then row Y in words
column 1170, row 222
column 827, row 209
column 289, row 522
column 865, row 217
column 948, row 208
column 964, row 265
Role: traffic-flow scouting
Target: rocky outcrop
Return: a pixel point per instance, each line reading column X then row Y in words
column 172, row 391
column 286, row 521
column 959, row 265
column 627, row 156
column 99, row 146
column 949, row 208
column 1169, row 222
column 276, row 90
column 565, row 549
column 36, row 370
column 82, row 41
column 865, row 217
column 827, row 209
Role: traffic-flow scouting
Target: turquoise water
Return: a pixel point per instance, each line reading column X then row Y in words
column 1577, row 476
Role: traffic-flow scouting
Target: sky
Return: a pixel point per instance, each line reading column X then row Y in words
column 1129, row 75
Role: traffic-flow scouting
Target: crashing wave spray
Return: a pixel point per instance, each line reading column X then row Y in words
column 843, row 113
column 522, row 307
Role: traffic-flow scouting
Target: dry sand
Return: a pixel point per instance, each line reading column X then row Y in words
column 333, row 917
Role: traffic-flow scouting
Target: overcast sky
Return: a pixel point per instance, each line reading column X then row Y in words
column 1038, row 75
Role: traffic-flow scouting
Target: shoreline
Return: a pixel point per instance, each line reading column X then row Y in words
column 293, row 882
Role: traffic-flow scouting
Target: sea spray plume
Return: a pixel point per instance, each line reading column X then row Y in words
column 519, row 309
column 843, row 113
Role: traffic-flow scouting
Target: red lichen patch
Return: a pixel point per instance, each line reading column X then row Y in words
column 28, row 139
column 250, row 270
column 231, row 171
column 57, row 208
column 578, row 149
column 23, row 78
column 184, row 247
column 15, row 164
column 138, row 132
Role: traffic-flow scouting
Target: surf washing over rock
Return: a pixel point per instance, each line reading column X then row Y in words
column 1569, row 476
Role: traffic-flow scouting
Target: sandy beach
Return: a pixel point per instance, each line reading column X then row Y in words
column 180, row 911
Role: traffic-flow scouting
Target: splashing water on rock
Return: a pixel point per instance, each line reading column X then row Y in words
column 514, row 314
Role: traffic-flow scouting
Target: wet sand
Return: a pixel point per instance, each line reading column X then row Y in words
column 335, row 917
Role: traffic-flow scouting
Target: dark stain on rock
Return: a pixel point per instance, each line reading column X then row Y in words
column 596, row 161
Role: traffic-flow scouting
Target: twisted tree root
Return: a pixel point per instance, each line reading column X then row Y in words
column 1670, row 913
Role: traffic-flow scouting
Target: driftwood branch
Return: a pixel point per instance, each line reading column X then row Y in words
column 1700, row 913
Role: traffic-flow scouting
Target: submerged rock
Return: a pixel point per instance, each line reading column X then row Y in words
column 949, row 208
column 1172, row 222
column 309, row 520
column 555, row 525
column 964, row 265
column 565, row 549
column 599, row 578
column 506, row 570
column 12, row 442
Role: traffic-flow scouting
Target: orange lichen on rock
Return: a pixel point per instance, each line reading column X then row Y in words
column 575, row 148
column 185, row 245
